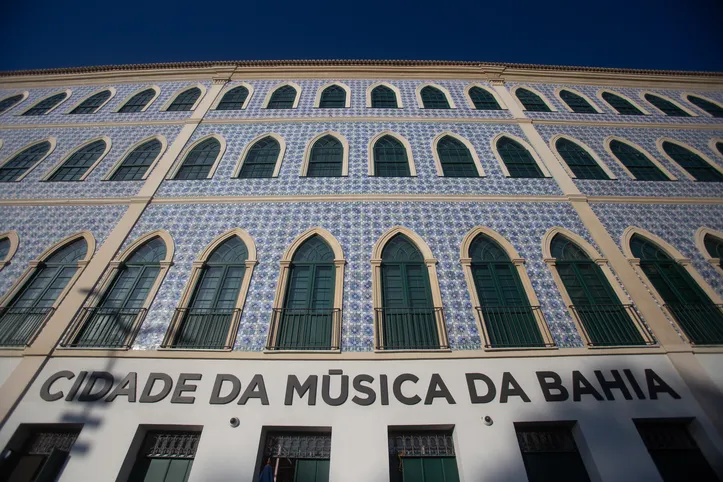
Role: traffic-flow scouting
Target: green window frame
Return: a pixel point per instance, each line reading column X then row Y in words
column 719, row 146
column 20, row 163
column 136, row 164
column 546, row 448
column 326, row 158
column 422, row 456
column 261, row 159
column 636, row 162
column 234, row 99
column 390, row 158
column 283, row 98
column 580, row 162
column 199, row 161
column 577, row 102
column 668, row 108
column 517, row 159
column 44, row 106
column 10, row 102
column 79, row 162
column 384, row 98
column 41, row 452
column 165, row 456
column 298, row 456
column 482, row 99
column 531, row 101
column 623, row 106
column 138, row 102
column 712, row 244
column 603, row 317
column 92, row 103
column 333, row 97
column 455, row 158
column 185, row 100
column 697, row 315
column 433, row 98
column 690, row 161
column 713, row 109
column 4, row 248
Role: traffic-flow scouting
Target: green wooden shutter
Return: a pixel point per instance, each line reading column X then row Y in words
column 311, row 470
column 429, row 469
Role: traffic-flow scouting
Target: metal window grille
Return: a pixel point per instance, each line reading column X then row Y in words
column 390, row 158
column 455, row 158
column 79, row 162
column 434, row 98
column 18, row 165
column 298, row 445
column 666, row 436
column 623, row 106
column 637, row 163
column 261, row 159
column 384, row 98
column 518, row 160
column 531, row 101
column 6, row 104
column 138, row 101
column 579, row 160
column 282, row 98
column 713, row 109
column 199, row 161
column 135, row 165
column 577, row 103
column 18, row 326
column 666, row 106
column 185, row 100
column 693, row 163
column 546, row 439
column 43, row 443
column 326, row 158
column 421, row 444
column 171, row 445
column 333, row 97
column 483, row 100
column 42, row 107
column 234, row 99
column 92, row 103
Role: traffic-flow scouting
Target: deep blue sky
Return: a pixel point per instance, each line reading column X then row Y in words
column 685, row 35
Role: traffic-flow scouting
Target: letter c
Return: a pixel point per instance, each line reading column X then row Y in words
column 397, row 389
column 45, row 389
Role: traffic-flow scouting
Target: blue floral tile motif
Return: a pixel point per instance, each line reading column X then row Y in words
column 357, row 226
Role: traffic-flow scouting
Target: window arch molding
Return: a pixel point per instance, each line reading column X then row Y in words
column 553, row 147
column 467, row 144
column 53, row 142
column 659, row 145
column 700, row 235
column 658, row 164
column 599, row 95
column 12, row 237
column 400, row 138
column 112, row 91
column 108, row 145
column 219, row 97
column 320, row 90
column 119, row 163
column 395, row 89
column 250, row 144
column 67, row 93
column 180, row 91
column 523, row 143
column 310, row 144
column 418, row 93
column 276, row 87
column 185, row 153
column 24, row 97
column 491, row 91
column 155, row 89
column 712, row 145
column 642, row 94
column 542, row 96
column 685, row 95
column 576, row 92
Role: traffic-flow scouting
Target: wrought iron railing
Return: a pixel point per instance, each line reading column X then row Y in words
column 202, row 328
column 20, row 326
column 702, row 323
column 612, row 325
column 304, row 329
column 410, row 328
column 104, row 327
column 514, row 326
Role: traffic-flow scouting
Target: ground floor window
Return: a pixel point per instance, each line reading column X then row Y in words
column 37, row 453
column 296, row 456
column 422, row 456
column 165, row 456
column 546, row 447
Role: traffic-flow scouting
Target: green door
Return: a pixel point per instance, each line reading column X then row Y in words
column 162, row 470
column 429, row 469
column 312, row 470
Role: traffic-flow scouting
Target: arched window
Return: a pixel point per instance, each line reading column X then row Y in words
column 261, row 159
column 92, row 103
column 46, row 105
column 517, row 159
column 8, row 246
column 135, row 165
column 603, row 318
column 8, row 103
column 326, row 158
column 283, row 98
column 580, row 162
column 384, row 98
column 719, row 146
column 577, row 103
column 623, row 106
column 531, row 101
column 700, row 319
column 390, row 158
column 333, row 97
column 79, row 162
column 668, row 108
column 114, row 320
column 713, row 245
column 713, row 109
column 185, row 100
column 693, row 163
column 636, row 162
column 21, row 162
column 138, row 102
column 4, row 248
column 433, row 98
column 23, row 316
column 507, row 314
column 483, row 99
column 233, row 99
column 200, row 160
column 455, row 158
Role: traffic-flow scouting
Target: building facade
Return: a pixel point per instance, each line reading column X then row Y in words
column 361, row 271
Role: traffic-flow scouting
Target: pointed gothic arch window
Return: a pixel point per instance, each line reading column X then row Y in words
column 531, row 101
column 483, row 99
column 517, row 159
column 668, row 108
column 623, row 106
column 234, row 99
column 138, row 102
column 261, row 159
column 16, row 167
column 326, row 158
column 433, row 98
column 333, row 97
column 719, row 147
column 4, row 248
column 580, row 162
column 46, row 105
column 390, row 158
column 185, row 100
column 200, row 160
column 711, row 108
column 636, row 162
column 78, row 164
column 92, row 103
column 283, row 98
column 692, row 162
column 9, row 103
column 577, row 103
column 136, row 164
column 384, row 98
column 713, row 245
column 455, row 158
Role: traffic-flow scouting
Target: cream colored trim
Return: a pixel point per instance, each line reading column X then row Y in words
column 155, row 88
column 174, row 171
column 285, row 265
column 553, row 147
column 577, row 92
column 112, row 94
column 11, row 236
column 659, row 144
column 24, row 94
column 609, row 139
column 400, row 138
column 180, row 91
column 685, row 95
column 320, row 90
column 446, row 93
column 273, row 89
column 712, row 145
column 53, row 142
column 600, row 92
column 310, row 144
column 397, row 92
column 523, row 143
column 471, row 105
column 642, row 94
column 429, row 260
column 250, row 144
column 67, row 92
column 226, row 89
column 121, row 159
column 108, row 145
column 468, row 145
column 700, row 235
column 513, row 92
